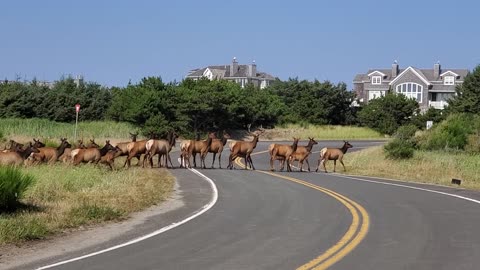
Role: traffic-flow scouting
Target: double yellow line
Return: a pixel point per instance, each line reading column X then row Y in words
column 356, row 232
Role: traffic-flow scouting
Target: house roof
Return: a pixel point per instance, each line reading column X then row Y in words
column 223, row 71
column 426, row 74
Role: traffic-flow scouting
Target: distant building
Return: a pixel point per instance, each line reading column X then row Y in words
column 241, row 74
column 77, row 80
column 430, row 87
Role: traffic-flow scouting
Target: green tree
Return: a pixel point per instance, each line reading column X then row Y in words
column 387, row 113
column 467, row 99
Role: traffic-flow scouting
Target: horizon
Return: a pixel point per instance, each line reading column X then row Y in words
column 112, row 43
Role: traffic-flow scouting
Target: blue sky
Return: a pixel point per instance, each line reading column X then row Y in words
column 112, row 42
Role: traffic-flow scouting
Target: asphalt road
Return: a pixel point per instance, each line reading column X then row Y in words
column 314, row 220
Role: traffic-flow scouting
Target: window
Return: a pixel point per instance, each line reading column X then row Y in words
column 377, row 80
column 449, row 80
column 411, row 90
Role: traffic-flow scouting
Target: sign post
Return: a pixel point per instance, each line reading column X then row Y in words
column 77, row 109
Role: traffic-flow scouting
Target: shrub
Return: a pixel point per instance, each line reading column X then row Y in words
column 399, row 149
column 473, row 144
column 13, row 184
column 451, row 133
column 406, row 132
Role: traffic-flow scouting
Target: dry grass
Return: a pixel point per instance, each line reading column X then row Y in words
column 321, row 132
column 65, row 197
column 425, row 167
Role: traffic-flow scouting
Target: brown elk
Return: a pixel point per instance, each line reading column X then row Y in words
column 162, row 148
column 17, row 157
column 123, row 146
column 109, row 157
column 93, row 144
column 284, row 152
column 244, row 150
column 12, row 146
column 217, row 148
column 67, row 154
column 51, row 154
column 184, row 155
column 37, row 143
column 135, row 149
column 91, row 155
column 302, row 153
column 333, row 154
column 202, row 148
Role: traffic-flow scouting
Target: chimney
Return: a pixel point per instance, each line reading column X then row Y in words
column 394, row 69
column 233, row 67
column 436, row 70
column 252, row 69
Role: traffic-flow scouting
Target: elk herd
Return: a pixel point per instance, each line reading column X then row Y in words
column 144, row 150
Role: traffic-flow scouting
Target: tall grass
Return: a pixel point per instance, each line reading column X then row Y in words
column 29, row 128
column 64, row 197
column 13, row 184
column 325, row 132
column 436, row 167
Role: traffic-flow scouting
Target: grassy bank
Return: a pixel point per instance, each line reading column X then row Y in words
column 286, row 132
column 436, row 167
column 29, row 128
column 66, row 197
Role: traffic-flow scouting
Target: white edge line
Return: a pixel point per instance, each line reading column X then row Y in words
column 157, row 232
column 405, row 186
column 399, row 185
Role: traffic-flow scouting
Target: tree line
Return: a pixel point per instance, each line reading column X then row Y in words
column 192, row 106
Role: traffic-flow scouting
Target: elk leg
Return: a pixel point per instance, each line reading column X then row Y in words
column 318, row 165
column 194, row 159
column 213, row 160
column 251, row 162
column 334, row 164
column 220, row 160
column 271, row 163
column 324, row 164
column 306, row 160
column 341, row 161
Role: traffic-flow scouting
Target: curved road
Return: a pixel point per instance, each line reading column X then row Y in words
column 308, row 220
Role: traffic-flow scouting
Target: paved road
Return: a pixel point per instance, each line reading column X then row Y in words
column 263, row 221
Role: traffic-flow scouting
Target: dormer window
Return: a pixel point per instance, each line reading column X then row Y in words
column 449, row 80
column 376, row 79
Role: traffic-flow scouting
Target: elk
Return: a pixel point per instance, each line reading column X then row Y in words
column 284, row 152
column 302, row 153
column 51, row 154
column 135, row 149
column 67, row 154
column 17, row 157
column 217, row 148
column 90, row 154
column 12, row 146
column 109, row 157
column 184, row 155
column 37, row 143
column 162, row 148
column 93, row 144
column 333, row 154
column 202, row 148
column 244, row 150
column 123, row 146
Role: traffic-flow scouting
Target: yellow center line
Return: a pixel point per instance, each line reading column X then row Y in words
column 356, row 232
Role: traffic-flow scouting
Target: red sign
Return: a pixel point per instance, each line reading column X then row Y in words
column 77, row 107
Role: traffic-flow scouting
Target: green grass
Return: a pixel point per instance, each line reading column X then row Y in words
column 13, row 184
column 65, row 197
column 46, row 129
column 326, row 132
column 434, row 167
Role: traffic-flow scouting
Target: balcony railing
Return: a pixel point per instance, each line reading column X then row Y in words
column 438, row 104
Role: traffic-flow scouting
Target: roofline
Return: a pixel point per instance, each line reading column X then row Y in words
column 449, row 71
column 376, row 71
column 414, row 71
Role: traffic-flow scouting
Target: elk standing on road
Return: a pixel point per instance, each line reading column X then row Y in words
column 284, row 152
column 302, row 153
column 217, row 148
column 244, row 150
column 333, row 154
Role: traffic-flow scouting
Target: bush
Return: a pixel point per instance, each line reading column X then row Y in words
column 473, row 144
column 399, row 149
column 13, row 184
column 406, row 132
column 450, row 134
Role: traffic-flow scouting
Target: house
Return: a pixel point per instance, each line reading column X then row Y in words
column 241, row 74
column 430, row 87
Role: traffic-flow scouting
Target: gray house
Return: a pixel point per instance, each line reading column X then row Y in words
column 430, row 87
column 241, row 74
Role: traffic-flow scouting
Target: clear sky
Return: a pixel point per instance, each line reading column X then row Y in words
column 112, row 42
